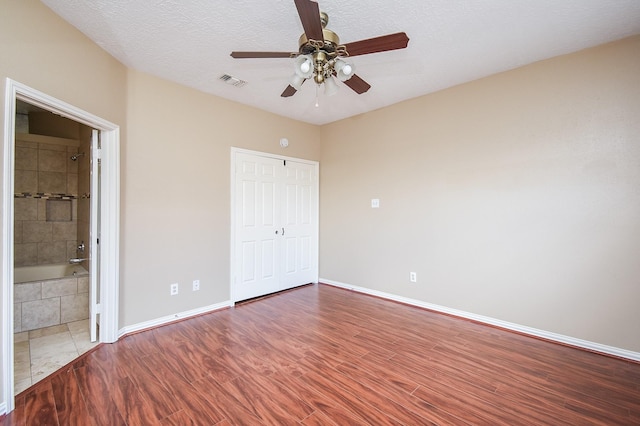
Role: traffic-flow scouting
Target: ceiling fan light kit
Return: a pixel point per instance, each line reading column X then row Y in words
column 321, row 56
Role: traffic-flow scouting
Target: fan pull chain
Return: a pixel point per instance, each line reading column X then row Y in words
column 317, row 102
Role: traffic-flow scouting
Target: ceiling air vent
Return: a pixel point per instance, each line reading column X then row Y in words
column 232, row 80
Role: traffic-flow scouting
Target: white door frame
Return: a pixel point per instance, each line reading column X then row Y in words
column 232, row 265
column 109, row 218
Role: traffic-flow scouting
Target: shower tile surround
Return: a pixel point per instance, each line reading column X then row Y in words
column 46, row 205
column 47, row 228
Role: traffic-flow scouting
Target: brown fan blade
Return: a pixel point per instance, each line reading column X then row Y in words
column 310, row 17
column 378, row 44
column 245, row 55
column 289, row 91
column 357, row 84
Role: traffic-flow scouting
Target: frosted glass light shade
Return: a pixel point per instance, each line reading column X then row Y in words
column 344, row 71
column 296, row 81
column 304, row 66
column 330, row 86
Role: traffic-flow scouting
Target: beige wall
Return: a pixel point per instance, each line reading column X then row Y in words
column 44, row 52
column 176, row 191
column 514, row 197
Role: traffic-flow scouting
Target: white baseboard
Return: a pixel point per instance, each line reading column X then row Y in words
column 171, row 318
column 566, row 340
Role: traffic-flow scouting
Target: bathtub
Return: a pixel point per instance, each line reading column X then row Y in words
column 27, row 274
column 49, row 295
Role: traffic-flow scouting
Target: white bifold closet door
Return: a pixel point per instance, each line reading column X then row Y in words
column 276, row 224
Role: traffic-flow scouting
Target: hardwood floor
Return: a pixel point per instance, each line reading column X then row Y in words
column 319, row 355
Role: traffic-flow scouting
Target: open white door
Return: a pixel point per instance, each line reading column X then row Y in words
column 94, row 245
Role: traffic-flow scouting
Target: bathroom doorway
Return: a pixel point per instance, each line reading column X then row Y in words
column 53, row 242
column 50, row 220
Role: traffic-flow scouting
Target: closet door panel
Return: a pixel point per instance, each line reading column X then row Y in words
column 257, row 257
column 300, row 262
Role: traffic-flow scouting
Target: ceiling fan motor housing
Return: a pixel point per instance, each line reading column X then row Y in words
column 324, row 52
column 330, row 45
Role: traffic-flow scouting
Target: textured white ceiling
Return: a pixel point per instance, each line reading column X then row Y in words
column 451, row 42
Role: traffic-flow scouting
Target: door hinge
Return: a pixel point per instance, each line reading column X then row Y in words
column 99, row 153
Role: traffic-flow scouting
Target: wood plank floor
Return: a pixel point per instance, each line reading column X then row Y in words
column 319, row 355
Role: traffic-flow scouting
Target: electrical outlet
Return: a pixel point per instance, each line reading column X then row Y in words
column 196, row 285
column 375, row 203
column 174, row 289
column 413, row 277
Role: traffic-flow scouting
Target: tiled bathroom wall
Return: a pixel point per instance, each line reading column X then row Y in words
column 46, row 190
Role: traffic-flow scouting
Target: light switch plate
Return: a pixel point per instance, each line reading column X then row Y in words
column 375, row 203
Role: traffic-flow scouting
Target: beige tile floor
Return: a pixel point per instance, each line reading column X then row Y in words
column 38, row 353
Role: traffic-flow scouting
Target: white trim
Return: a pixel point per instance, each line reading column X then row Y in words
column 7, row 245
column 109, row 211
column 172, row 318
column 232, row 266
column 559, row 338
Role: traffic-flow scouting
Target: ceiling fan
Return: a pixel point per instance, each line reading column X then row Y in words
column 321, row 56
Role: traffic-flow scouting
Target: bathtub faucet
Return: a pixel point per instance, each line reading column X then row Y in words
column 76, row 261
